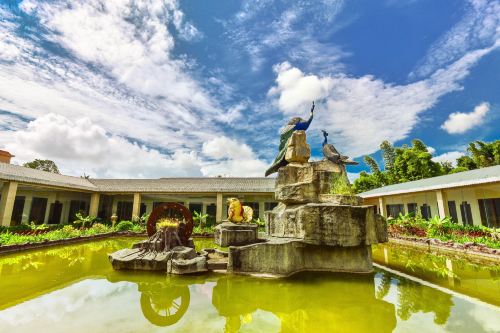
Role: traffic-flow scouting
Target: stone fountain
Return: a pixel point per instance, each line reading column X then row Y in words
column 311, row 229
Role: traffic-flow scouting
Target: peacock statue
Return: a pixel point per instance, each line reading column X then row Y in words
column 295, row 124
column 333, row 155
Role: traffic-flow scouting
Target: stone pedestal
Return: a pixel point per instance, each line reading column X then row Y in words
column 230, row 234
column 298, row 150
column 280, row 257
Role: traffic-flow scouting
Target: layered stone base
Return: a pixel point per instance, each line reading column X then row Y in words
column 228, row 233
column 328, row 224
column 283, row 257
column 180, row 260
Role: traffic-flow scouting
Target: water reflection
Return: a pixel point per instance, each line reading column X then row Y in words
column 76, row 284
column 470, row 276
column 414, row 297
column 325, row 302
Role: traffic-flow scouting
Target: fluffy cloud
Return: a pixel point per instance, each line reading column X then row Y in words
column 81, row 146
column 109, row 90
column 450, row 156
column 460, row 122
column 361, row 112
column 231, row 158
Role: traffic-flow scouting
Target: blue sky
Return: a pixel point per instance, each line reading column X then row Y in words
column 200, row 88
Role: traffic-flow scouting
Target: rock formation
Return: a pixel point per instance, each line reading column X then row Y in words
column 311, row 229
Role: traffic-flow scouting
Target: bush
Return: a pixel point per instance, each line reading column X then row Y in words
column 443, row 229
column 124, row 226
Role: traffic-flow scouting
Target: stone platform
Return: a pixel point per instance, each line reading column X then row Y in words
column 179, row 260
column 232, row 234
column 280, row 257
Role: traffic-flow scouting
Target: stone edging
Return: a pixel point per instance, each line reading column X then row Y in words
column 436, row 244
column 6, row 249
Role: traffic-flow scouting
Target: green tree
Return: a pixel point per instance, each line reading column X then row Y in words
column 466, row 162
column 485, row 154
column 44, row 165
column 415, row 162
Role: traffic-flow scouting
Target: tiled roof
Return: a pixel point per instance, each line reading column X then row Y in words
column 32, row 176
column 466, row 178
column 11, row 172
column 187, row 185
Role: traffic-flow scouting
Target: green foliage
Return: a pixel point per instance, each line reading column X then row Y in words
column 203, row 230
column 260, row 223
column 83, row 222
column 485, row 154
column 340, row 185
column 124, row 226
column 443, row 229
column 144, row 219
column 63, row 232
column 408, row 163
column 44, row 165
column 200, row 219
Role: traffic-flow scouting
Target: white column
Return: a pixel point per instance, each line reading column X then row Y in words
column 381, row 206
column 441, row 203
column 94, row 204
column 136, row 206
column 262, row 207
column 114, row 207
column 50, row 200
column 28, row 199
column 9, row 191
column 218, row 214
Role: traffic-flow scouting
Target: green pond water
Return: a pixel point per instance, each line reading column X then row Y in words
column 74, row 289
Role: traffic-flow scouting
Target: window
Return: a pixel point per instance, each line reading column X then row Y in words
column 195, row 207
column 105, row 207
column 38, row 208
column 124, row 210
column 211, row 212
column 17, row 211
column 76, row 206
column 395, row 210
column 466, row 213
column 425, row 211
column 55, row 213
column 452, row 209
column 412, row 208
column 490, row 212
column 142, row 209
column 255, row 207
column 270, row 205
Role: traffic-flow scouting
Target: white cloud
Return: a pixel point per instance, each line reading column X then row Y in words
column 450, row 156
column 431, row 150
column 231, row 158
column 265, row 27
column 80, row 146
column 479, row 28
column 113, row 92
column 361, row 112
column 460, row 122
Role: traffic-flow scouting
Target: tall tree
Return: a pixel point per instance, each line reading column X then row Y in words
column 485, row 154
column 44, row 165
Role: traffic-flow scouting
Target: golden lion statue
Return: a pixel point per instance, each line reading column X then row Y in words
column 237, row 213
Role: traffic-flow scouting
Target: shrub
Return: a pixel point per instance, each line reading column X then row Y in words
column 82, row 222
column 340, row 185
column 124, row 226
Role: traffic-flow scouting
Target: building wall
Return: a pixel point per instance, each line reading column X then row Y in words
column 470, row 194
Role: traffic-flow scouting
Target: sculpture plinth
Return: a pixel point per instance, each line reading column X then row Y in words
column 230, row 234
column 311, row 228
